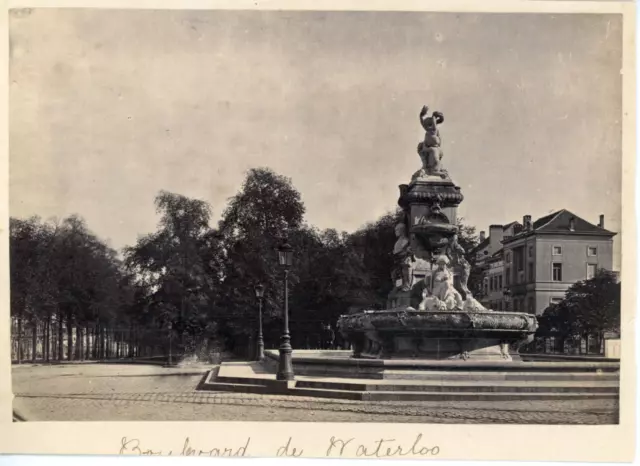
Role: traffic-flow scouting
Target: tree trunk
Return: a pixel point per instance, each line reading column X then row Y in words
column 107, row 339
column 87, row 343
column 19, row 339
column 48, row 340
column 586, row 346
column 80, row 343
column 94, row 354
column 100, row 342
column 130, row 341
column 34, row 340
column 60, row 338
column 94, row 342
column 45, row 340
column 69, row 337
column 103, row 342
column 54, row 341
column 134, row 348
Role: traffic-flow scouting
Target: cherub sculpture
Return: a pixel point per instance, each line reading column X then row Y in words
column 429, row 150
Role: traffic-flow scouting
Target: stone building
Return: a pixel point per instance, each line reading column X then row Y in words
column 530, row 265
column 488, row 256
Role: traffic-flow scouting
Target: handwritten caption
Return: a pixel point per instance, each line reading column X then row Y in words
column 335, row 447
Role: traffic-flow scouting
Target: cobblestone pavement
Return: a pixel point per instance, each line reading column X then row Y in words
column 92, row 392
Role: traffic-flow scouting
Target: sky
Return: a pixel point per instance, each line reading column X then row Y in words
column 108, row 107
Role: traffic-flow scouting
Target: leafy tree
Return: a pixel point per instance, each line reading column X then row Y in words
column 596, row 304
column 173, row 278
column 373, row 244
column 469, row 240
column 32, row 292
column 560, row 322
column 332, row 278
column 467, row 236
column 590, row 308
column 265, row 210
column 61, row 272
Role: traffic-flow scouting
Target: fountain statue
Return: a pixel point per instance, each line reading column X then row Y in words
column 445, row 321
column 429, row 149
column 403, row 258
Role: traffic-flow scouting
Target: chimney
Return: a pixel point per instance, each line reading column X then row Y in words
column 526, row 222
column 482, row 236
column 572, row 224
column 601, row 222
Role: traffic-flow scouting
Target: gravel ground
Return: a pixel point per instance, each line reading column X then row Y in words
column 95, row 392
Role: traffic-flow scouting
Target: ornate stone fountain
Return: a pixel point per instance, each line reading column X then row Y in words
column 432, row 314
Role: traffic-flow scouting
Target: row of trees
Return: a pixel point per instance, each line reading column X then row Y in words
column 590, row 309
column 194, row 281
column 60, row 272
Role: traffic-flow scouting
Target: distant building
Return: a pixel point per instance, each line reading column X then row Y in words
column 488, row 256
column 528, row 266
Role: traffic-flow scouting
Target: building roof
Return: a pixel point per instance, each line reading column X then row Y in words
column 559, row 223
column 487, row 240
column 481, row 245
column 509, row 225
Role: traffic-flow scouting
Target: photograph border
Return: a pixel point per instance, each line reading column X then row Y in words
column 614, row 443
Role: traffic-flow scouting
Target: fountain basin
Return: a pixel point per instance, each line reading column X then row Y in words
column 405, row 333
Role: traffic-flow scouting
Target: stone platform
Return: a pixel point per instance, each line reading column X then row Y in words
column 331, row 374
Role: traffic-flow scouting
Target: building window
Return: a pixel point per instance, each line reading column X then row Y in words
column 557, row 250
column 519, row 259
column 592, row 251
column 532, row 277
column 508, row 257
column 591, row 270
column 530, row 251
column 499, row 282
column 557, row 272
column 507, row 277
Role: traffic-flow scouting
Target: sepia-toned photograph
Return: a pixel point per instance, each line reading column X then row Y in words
column 315, row 216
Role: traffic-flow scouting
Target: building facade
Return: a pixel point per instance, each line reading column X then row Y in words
column 489, row 258
column 538, row 261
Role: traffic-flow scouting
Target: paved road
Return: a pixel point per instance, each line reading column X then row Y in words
column 93, row 392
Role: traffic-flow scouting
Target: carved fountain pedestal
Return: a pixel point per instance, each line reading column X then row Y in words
column 432, row 314
column 438, row 335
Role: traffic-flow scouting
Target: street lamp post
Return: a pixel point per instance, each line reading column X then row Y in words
column 259, row 294
column 285, row 366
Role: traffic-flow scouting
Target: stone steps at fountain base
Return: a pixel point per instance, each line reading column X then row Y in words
column 446, row 396
column 252, row 378
column 608, row 386
column 233, row 387
column 468, row 386
column 437, row 376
